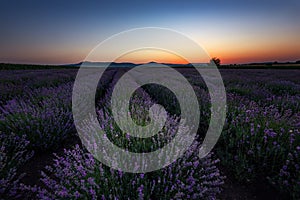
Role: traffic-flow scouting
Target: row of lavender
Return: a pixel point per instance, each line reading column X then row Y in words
column 261, row 137
column 35, row 116
column 16, row 82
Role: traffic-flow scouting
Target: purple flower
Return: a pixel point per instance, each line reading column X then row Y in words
column 140, row 191
column 63, row 192
column 270, row 133
column 91, row 181
column 77, row 194
column 92, row 192
column 142, row 175
column 127, row 136
column 284, row 167
column 196, row 164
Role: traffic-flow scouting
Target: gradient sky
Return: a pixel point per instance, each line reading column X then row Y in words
column 57, row 32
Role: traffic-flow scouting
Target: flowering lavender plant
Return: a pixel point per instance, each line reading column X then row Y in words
column 15, row 83
column 44, row 115
column 260, row 140
column 77, row 175
column 288, row 177
column 13, row 154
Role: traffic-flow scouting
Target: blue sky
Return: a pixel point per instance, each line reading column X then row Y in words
column 57, row 32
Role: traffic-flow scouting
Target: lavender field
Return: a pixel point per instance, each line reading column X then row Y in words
column 256, row 157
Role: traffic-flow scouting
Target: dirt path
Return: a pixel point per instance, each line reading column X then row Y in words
column 234, row 190
column 37, row 164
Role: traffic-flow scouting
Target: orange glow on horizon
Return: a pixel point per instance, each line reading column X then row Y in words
column 146, row 56
column 270, row 54
column 235, row 52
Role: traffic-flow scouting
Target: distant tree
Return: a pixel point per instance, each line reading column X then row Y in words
column 298, row 62
column 215, row 61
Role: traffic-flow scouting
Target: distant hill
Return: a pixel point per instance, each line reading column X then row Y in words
column 128, row 64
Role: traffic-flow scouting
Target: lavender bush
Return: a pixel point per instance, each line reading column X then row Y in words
column 261, row 136
column 13, row 154
column 15, row 83
column 78, row 176
column 287, row 179
column 44, row 115
column 257, row 142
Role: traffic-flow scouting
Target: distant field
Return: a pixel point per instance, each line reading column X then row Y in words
column 263, row 66
column 4, row 66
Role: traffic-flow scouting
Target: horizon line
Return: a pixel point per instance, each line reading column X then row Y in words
column 141, row 63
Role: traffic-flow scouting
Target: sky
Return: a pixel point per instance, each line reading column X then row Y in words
column 60, row 32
